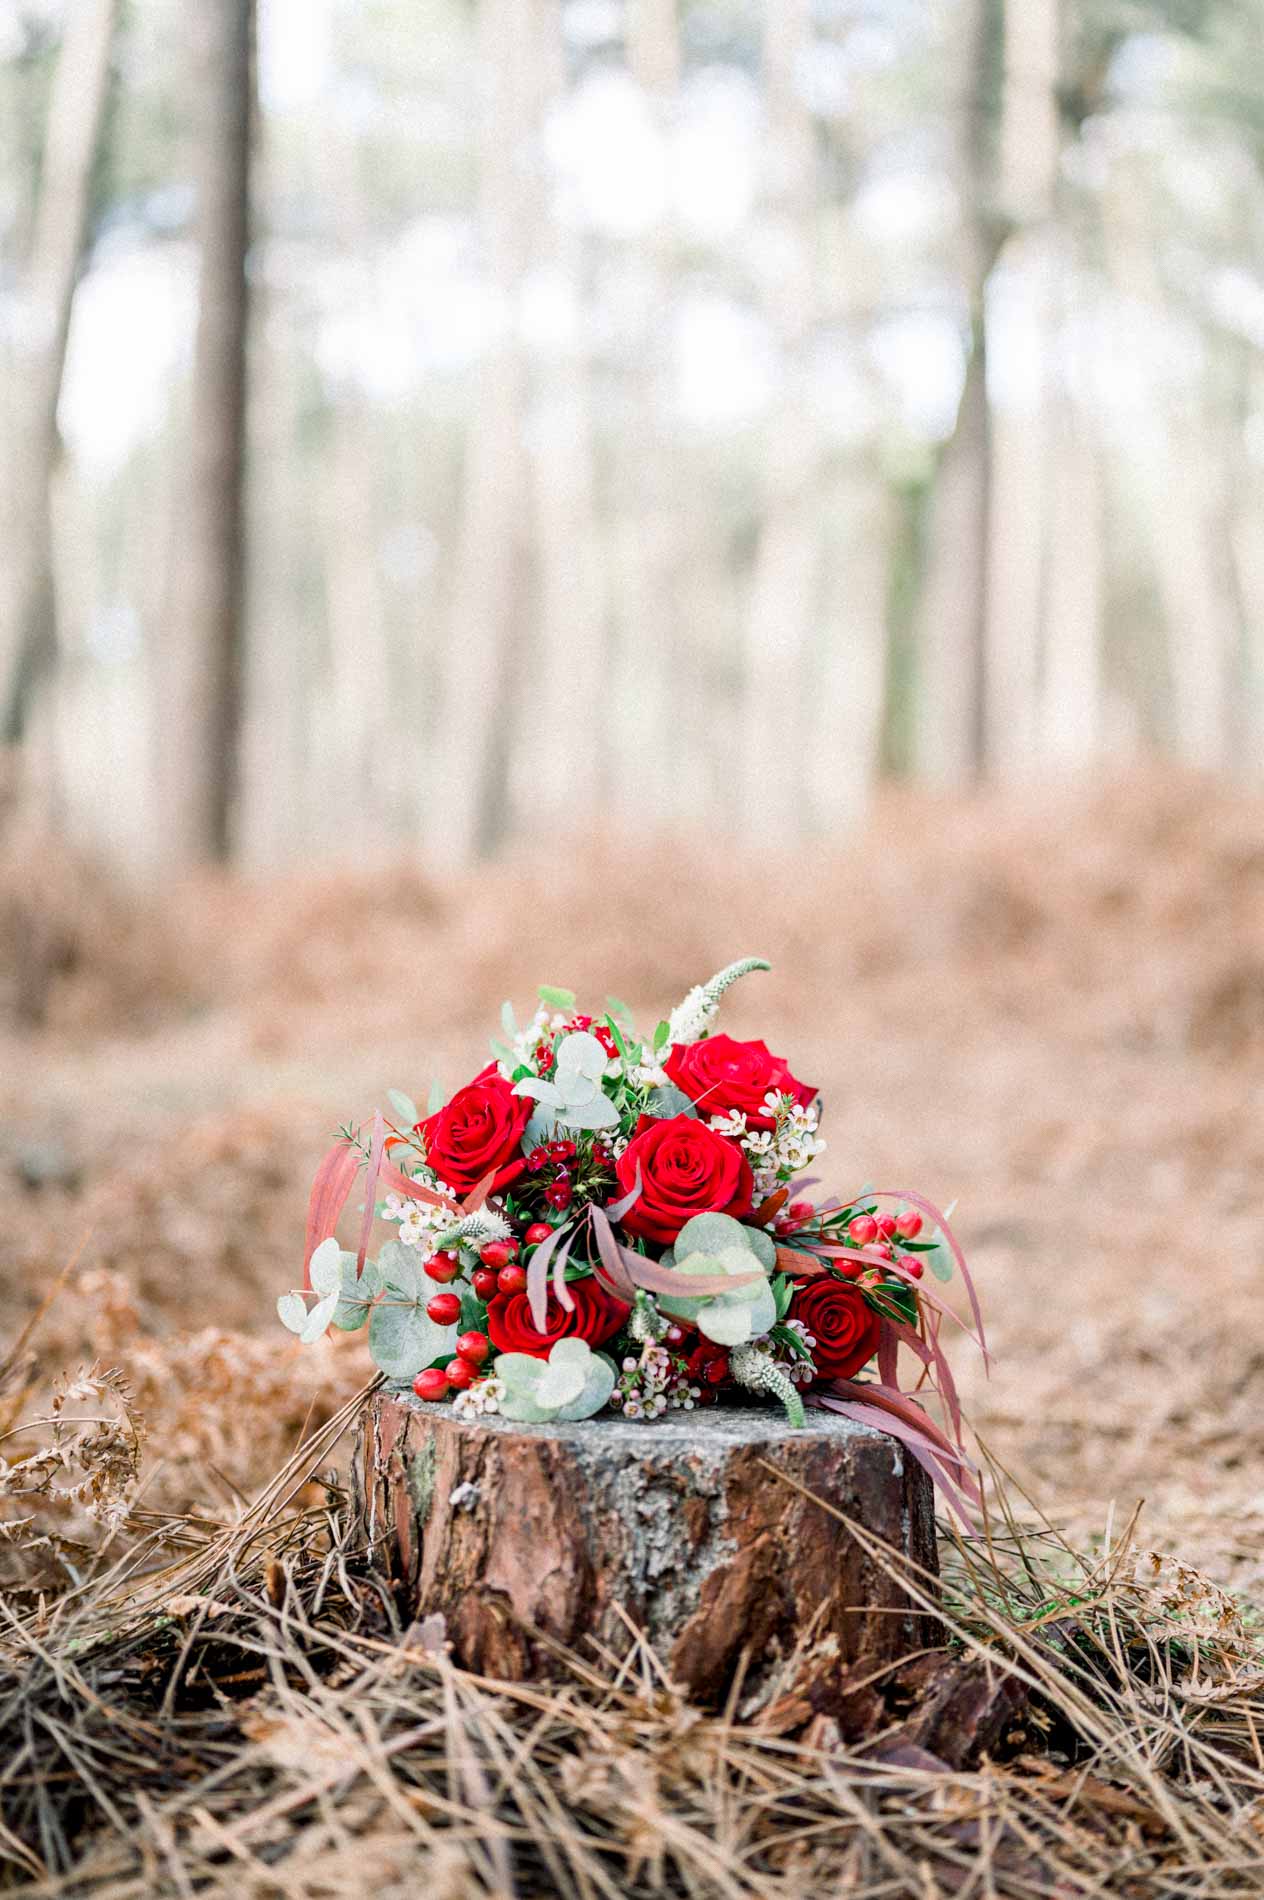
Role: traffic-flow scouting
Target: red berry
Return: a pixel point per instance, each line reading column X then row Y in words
column 483, row 1280
column 912, row 1265
column 444, row 1309
column 432, row 1384
column 886, row 1250
column 863, row 1229
column 474, row 1347
column 909, row 1225
column 460, row 1374
column 886, row 1226
column 497, row 1253
column 511, row 1280
column 442, row 1267
column 800, row 1210
column 539, row 1230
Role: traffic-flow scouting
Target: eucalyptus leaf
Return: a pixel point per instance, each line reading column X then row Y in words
column 399, row 1270
column 559, row 1384
column 537, row 1131
column 356, row 1296
column 598, row 1386
column 316, row 1325
column 434, row 1101
column 712, row 1233
column 939, row 1260
column 667, row 1100
column 292, row 1311
column 325, row 1267
column 729, row 1323
column 403, row 1340
column 763, row 1246
column 540, row 1091
column 599, row 1113
column 404, row 1106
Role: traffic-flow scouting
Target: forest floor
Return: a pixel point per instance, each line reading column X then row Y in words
column 1047, row 1007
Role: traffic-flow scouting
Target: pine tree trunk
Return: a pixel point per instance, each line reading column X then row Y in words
column 28, row 634
column 695, row 1531
column 202, row 713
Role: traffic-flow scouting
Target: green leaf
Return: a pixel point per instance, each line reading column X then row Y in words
column 508, row 1021
column 598, row 1385
column 502, row 1051
column 617, row 1035
column 661, row 1033
column 473, row 1311
column 792, row 1342
column 667, row 1100
column 434, row 1101
column 783, row 1293
column 404, row 1106
column 556, row 998
column 618, row 1007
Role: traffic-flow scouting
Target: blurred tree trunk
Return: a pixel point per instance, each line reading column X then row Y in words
column 952, row 623
column 785, row 585
column 573, row 642
column 1177, row 486
column 1021, row 419
column 202, row 716
column 467, row 772
column 28, row 628
column 1072, row 701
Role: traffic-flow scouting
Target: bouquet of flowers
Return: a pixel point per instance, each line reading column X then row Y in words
column 600, row 1222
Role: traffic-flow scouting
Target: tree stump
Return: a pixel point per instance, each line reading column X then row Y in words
column 519, row 1534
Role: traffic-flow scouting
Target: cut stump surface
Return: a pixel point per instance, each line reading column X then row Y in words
column 526, row 1537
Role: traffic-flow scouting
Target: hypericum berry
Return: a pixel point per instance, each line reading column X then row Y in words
column 909, row 1226
column 886, row 1226
column 863, row 1229
column 483, row 1280
column 539, row 1230
column 912, row 1265
column 442, row 1267
column 444, row 1309
column 886, row 1250
column 559, row 1195
column 460, row 1374
column 800, row 1210
column 473, row 1347
column 497, row 1253
column 432, row 1384
column 511, row 1280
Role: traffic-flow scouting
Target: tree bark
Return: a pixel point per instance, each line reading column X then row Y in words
column 28, row 633
column 199, row 763
column 533, row 1539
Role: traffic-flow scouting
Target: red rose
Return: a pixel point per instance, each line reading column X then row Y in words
column 478, row 1133
column 841, row 1321
column 720, row 1074
column 597, row 1318
column 686, row 1169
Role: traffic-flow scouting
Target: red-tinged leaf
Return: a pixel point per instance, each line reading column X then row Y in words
column 619, row 1208
column 614, row 1272
column 766, row 1209
column 888, row 1353
column 399, row 1183
column 328, row 1197
column 477, row 1196
column 945, row 1468
column 796, row 1262
column 932, row 1357
column 561, row 1292
column 933, row 1214
column 688, row 1286
column 538, row 1279
column 370, row 1188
